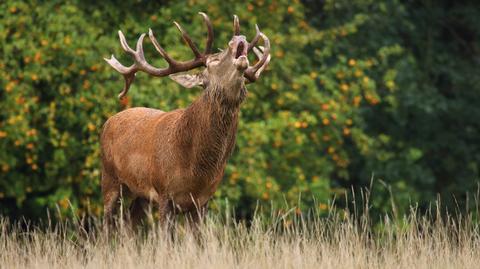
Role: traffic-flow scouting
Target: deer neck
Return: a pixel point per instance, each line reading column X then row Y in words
column 208, row 129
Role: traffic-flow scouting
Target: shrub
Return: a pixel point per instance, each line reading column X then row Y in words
column 347, row 94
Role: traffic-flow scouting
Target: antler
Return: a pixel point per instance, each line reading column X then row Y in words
column 236, row 25
column 253, row 72
column 140, row 64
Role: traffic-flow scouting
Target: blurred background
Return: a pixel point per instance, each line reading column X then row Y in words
column 363, row 94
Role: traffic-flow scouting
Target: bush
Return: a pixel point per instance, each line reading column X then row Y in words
column 351, row 91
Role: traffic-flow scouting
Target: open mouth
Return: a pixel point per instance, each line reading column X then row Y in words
column 241, row 50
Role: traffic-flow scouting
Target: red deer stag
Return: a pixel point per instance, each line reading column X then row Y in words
column 175, row 160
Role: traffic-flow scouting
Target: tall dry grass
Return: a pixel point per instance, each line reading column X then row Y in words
column 339, row 240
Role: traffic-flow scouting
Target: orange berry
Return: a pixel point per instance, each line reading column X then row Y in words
column 277, row 144
column 344, row 87
column 357, row 100
column 67, row 40
column 91, row 126
column 298, row 211
column 9, row 86
column 37, row 57
column 5, row 168
column 63, row 203
column 86, row 84
column 32, row 132
column 125, row 101
column 358, row 73
column 303, row 24
column 20, row 100
column 366, row 80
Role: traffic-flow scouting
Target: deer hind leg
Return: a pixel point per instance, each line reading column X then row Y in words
column 195, row 218
column 111, row 193
column 137, row 211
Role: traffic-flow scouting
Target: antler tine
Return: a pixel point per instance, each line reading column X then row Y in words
column 266, row 51
column 159, row 48
column 140, row 64
column 236, row 25
column 210, row 36
column 258, row 51
column 253, row 72
column 259, row 54
column 189, row 41
column 139, row 56
column 124, row 43
column 255, row 39
column 127, row 72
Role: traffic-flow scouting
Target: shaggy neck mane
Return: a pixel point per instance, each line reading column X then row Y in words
column 207, row 129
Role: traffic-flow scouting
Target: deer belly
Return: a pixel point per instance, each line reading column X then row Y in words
column 191, row 198
column 133, row 172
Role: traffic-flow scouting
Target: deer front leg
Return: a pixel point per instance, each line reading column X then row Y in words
column 164, row 210
column 196, row 217
column 164, row 213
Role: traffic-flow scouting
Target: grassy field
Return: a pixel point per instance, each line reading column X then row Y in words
column 339, row 240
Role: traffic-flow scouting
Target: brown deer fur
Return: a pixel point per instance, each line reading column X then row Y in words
column 176, row 160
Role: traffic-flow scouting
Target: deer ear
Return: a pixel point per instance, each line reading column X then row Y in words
column 188, row 80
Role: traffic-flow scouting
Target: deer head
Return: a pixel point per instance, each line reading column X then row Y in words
column 226, row 71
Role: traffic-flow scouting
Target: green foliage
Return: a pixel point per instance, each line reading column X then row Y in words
column 354, row 88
